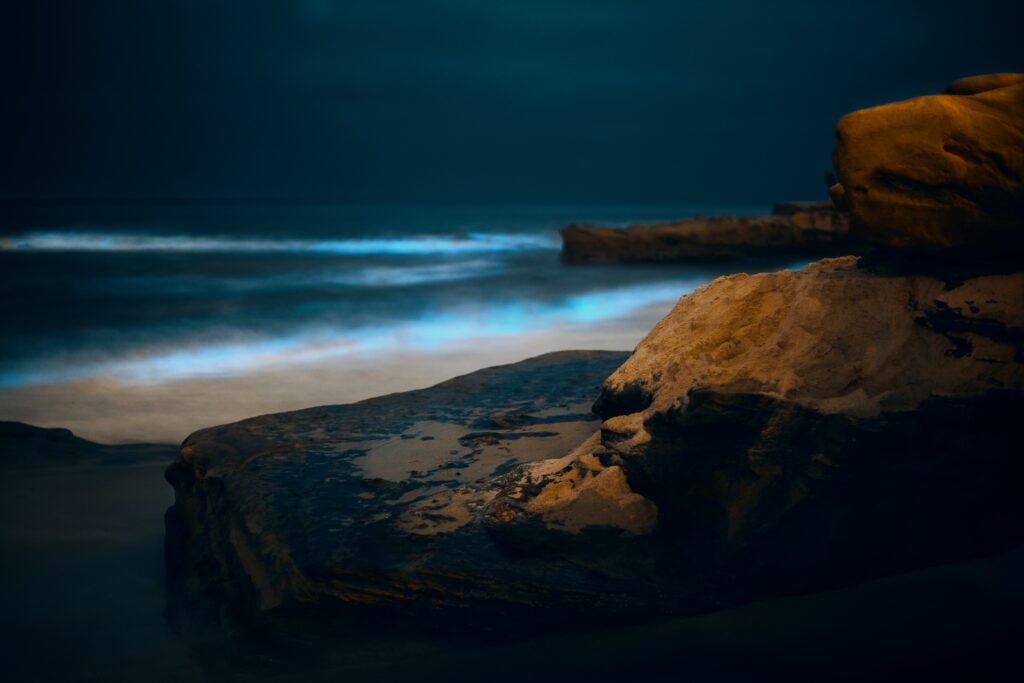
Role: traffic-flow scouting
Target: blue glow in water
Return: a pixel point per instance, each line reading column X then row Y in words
column 182, row 285
column 430, row 332
column 472, row 243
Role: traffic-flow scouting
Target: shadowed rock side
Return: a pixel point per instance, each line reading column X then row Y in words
column 794, row 228
column 938, row 171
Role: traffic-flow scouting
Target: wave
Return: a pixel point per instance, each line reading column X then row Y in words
column 359, row 277
column 439, row 331
column 469, row 243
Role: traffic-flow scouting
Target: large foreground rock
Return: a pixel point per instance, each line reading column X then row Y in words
column 939, row 171
column 778, row 432
column 368, row 504
column 794, row 228
column 824, row 425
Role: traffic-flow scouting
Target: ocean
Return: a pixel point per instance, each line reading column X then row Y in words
column 144, row 323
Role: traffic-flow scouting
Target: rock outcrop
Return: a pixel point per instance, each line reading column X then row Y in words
column 391, row 503
column 820, row 426
column 794, row 228
column 939, row 171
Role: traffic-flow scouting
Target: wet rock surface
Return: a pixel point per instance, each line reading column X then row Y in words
column 794, row 228
column 407, row 501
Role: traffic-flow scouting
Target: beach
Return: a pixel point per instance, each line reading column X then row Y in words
column 146, row 324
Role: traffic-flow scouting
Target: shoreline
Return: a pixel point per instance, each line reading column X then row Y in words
column 109, row 411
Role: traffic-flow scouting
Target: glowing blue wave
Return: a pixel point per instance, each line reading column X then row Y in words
column 431, row 332
column 470, row 243
column 373, row 276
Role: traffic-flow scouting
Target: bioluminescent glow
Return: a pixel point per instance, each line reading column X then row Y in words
column 431, row 332
column 470, row 243
column 370, row 276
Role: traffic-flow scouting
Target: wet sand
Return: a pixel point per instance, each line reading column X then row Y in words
column 111, row 411
column 81, row 575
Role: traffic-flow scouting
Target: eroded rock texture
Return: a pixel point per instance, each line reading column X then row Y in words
column 807, row 428
column 939, row 171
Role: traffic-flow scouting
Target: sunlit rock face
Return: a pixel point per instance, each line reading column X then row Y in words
column 939, row 171
column 808, row 428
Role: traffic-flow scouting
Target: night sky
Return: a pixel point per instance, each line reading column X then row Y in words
column 461, row 101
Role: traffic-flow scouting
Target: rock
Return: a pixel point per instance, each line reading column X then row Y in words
column 393, row 503
column 972, row 85
column 777, row 433
column 811, row 428
column 937, row 172
column 793, row 228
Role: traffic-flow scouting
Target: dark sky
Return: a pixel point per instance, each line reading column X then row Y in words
column 462, row 101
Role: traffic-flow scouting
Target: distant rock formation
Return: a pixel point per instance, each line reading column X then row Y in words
column 24, row 445
column 794, row 228
column 938, row 171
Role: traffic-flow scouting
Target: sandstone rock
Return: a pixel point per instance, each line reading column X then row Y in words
column 793, row 228
column 939, row 171
column 834, row 338
column 972, row 85
column 821, row 426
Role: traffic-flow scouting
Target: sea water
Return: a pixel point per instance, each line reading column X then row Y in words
column 144, row 323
